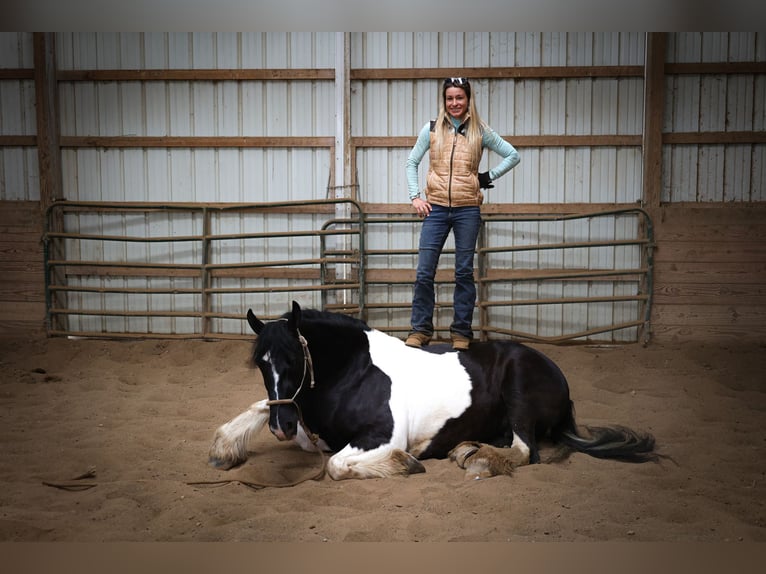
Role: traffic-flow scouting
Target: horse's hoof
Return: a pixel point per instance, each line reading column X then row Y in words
column 409, row 463
column 221, row 464
column 462, row 452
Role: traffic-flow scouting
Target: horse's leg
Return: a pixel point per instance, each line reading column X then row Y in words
column 483, row 460
column 229, row 446
column 381, row 462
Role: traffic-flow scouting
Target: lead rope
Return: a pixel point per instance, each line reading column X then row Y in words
column 308, row 367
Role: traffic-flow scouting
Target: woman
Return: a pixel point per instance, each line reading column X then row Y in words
column 456, row 140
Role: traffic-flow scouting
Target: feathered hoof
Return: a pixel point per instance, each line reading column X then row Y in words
column 223, row 464
column 462, row 452
column 482, row 460
column 409, row 463
column 225, row 455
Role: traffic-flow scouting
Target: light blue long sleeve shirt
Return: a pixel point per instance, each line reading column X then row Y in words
column 489, row 140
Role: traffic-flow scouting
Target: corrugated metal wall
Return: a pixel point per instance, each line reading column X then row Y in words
column 585, row 106
column 199, row 108
column 19, row 178
column 522, row 107
column 715, row 102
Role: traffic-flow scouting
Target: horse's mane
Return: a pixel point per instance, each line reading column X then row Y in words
column 315, row 316
column 312, row 322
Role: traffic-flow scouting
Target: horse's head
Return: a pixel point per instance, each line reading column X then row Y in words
column 283, row 360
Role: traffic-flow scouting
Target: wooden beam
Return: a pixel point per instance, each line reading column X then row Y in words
column 752, row 253
column 706, row 68
column 732, row 315
column 693, row 214
column 734, row 335
column 310, row 206
column 252, row 74
column 292, row 74
column 195, row 142
column 654, row 106
column 519, row 141
column 714, row 138
column 676, row 273
column 711, row 294
column 17, row 74
column 46, row 100
column 18, row 141
column 520, row 209
column 515, row 72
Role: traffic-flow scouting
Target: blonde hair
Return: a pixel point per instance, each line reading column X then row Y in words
column 443, row 127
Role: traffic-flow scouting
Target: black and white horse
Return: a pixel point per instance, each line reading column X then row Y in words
column 379, row 405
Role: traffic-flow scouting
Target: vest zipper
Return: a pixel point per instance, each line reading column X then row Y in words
column 451, row 161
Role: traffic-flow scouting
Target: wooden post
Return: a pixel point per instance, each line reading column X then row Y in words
column 342, row 184
column 654, row 108
column 46, row 99
column 49, row 161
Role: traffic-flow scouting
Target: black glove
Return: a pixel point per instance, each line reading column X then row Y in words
column 484, row 181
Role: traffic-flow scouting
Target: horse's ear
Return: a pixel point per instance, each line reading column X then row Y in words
column 255, row 323
column 295, row 318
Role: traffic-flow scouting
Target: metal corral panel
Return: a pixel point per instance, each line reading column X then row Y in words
column 19, row 174
column 176, row 291
column 715, row 102
column 548, row 319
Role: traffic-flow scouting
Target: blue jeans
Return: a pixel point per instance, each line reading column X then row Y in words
column 465, row 222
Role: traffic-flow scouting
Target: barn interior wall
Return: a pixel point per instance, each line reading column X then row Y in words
column 710, row 282
column 710, row 263
column 22, row 293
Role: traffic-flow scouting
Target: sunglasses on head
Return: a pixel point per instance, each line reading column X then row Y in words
column 456, row 82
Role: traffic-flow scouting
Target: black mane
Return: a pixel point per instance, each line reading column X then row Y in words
column 329, row 319
column 327, row 333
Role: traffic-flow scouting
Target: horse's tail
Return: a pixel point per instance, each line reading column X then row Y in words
column 614, row 442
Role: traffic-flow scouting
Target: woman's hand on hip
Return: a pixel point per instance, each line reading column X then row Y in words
column 422, row 207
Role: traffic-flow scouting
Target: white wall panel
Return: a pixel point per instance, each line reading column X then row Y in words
column 426, row 50
column 721, row 102
column 19, row 179
column 207, row 108
column 19, row 175
column 528, row 49
column 198, row 175
column 16, row 50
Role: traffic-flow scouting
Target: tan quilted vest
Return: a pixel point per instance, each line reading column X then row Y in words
column 452, row 179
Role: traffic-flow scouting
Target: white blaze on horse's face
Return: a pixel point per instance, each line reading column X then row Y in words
column 274, row 374
column 283, row 422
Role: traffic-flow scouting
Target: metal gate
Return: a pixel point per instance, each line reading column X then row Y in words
column 147, row 270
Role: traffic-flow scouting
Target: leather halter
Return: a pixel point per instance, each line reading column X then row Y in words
column 308, row 368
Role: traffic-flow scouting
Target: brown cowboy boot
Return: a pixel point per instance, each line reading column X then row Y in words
column 417, row 340
column 460, row 342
